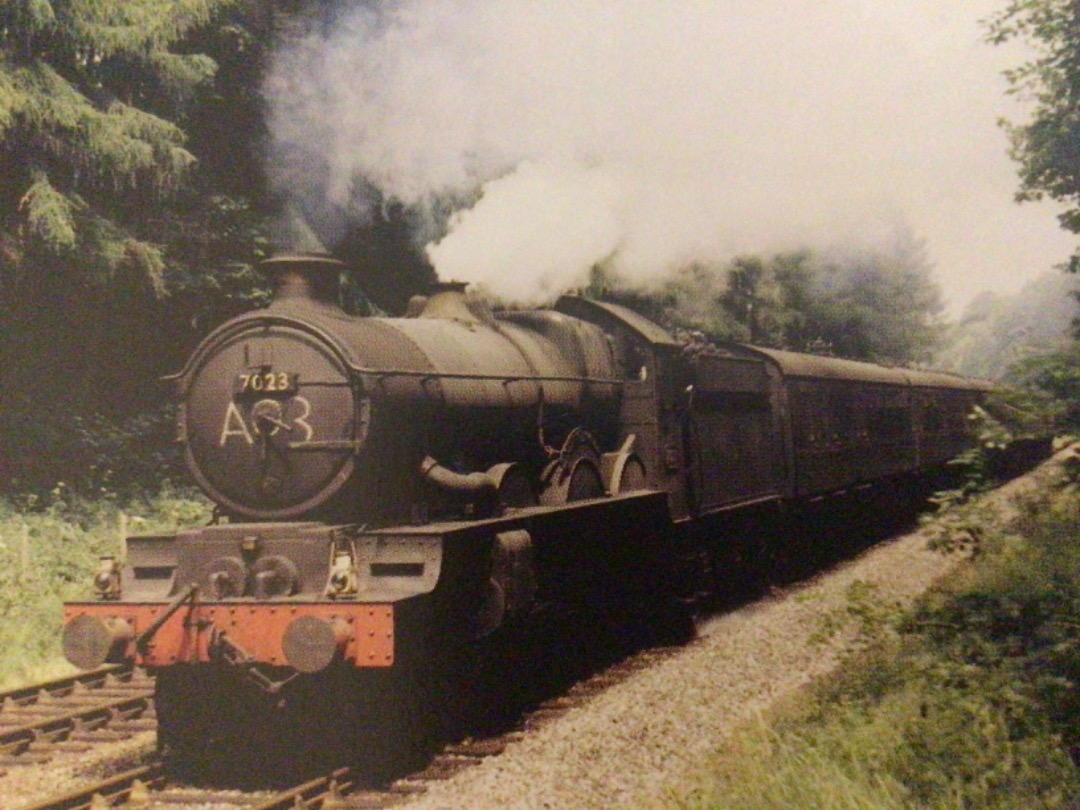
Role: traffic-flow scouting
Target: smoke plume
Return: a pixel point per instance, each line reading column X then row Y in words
column 540, row 139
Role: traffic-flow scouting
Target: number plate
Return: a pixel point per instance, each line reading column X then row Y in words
column 267, row 382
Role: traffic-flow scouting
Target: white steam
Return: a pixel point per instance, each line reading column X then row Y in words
column 638, row 134
column 533, row 231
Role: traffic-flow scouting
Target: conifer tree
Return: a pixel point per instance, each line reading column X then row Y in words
column 88, row 149
column 114, row 219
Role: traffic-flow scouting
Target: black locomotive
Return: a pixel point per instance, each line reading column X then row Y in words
column 392, row 489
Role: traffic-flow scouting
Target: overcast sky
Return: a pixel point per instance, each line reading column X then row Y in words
column 644, row 134
column 961, row 195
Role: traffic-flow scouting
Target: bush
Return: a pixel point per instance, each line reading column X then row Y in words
column 1053, row 379
column 92, row 453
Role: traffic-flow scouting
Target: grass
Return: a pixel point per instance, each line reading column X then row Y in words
column 49, row 550
column 968, row 701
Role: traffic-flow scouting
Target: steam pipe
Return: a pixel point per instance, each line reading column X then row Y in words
column 473, row 484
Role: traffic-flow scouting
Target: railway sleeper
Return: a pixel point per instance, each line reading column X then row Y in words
column 27, row 758
column 98, row 735
column 72, row 747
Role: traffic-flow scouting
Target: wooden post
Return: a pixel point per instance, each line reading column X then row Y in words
column 24, row 553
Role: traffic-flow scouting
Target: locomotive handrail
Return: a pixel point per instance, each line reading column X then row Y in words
column 461, row 375
column 330, row 444
column 265, row 319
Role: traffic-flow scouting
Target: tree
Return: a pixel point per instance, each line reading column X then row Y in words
column 1048, row 146
column 871, row 304
column 84, row 146
column 879, row 304
column 1048, row 150
column 1057, row 376
column 746, row 298
column 997, row 331
column 105, row 208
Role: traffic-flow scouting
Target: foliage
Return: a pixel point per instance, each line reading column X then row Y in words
column 878, row 305
column 95, row 96
column 1055, row 377
column 49, row 548
column 1048, row 146
column 996, row 332
column 1027, row 412
column 81, row 140
column 1023, row 343
column 971, row 700
column 882, row 304
column 1012, row 435
column 131, row 210
column 99, row 454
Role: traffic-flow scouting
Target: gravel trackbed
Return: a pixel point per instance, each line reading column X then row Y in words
column 635, row 742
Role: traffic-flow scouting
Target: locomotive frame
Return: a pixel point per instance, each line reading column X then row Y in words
column 397, row 489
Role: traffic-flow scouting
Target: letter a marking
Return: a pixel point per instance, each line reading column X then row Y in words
column 234, row 426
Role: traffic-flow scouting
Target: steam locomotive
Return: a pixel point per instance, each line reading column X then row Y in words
column 391, row 490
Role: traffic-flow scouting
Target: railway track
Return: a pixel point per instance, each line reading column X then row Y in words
column 149, row 785
column 73, row 714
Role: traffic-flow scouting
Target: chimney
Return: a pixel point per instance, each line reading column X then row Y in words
column 304, row 276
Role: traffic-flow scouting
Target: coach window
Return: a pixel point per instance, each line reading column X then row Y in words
column 932, row 421
column 818, row 416
column 803, row 411
column 888, row 423
column 636, row 364
column 844, row 424
column 959, row 426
